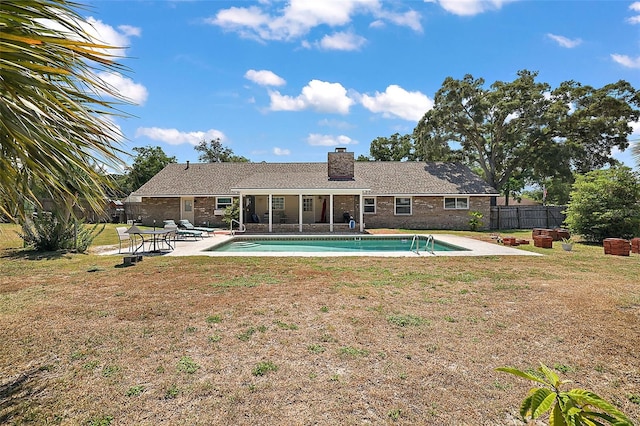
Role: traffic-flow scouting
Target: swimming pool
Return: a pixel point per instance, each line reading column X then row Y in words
column 333, row 244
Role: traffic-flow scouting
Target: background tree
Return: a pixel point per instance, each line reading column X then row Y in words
column 558, row 190
column 53, row 119
column 214, row 152
column 393, row 148
column 605, row 203
column 595, row 121
column 148, row 162
column 521, row 131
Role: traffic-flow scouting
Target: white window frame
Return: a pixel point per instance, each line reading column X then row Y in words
column 307, row 204
column 395, row 206
column 460, row 203
column 277, row 203
column 365, row 205
column 221, row 205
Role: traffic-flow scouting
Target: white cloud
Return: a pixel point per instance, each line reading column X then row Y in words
column 564, row 41
column 397, row 102
column 636, row 8
column 127, row 88
column 176, row 137
column 342, row 41
column 409, row 19
column 106, row 34
column 469, row 7
column 626, row 61
column 129, row 30
column 281, row 151
column 315, row 139
column 318, row 95
column 338, row 124
column 265, row 78
column 297, row 18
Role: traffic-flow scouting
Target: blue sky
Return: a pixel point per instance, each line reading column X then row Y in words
column 285, row 81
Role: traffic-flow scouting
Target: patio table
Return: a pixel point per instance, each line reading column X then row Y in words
column 155, row 237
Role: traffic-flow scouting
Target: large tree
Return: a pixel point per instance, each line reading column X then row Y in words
column 394, row 148
column 521, row 132
column 55, row 120
column 147, row 163
column 214, row 152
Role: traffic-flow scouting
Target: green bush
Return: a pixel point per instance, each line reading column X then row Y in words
column 475, row 222
column 605, row 204
column 46, row 232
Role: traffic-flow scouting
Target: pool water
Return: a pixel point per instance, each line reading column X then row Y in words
column 348, row 244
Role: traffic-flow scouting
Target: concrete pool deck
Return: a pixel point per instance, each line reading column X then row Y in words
column 474, row 248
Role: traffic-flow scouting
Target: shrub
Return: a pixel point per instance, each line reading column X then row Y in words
column 605, row 203
column 47, row 232
column 475, row 222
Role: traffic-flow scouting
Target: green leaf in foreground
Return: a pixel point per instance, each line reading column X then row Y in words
column 573, row 407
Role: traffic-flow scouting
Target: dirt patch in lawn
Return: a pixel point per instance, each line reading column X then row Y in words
column 323, row 341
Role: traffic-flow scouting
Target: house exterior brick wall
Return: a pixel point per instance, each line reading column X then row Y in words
column 426, row 213
column 159, row 209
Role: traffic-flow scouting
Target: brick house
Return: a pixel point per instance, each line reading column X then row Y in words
column 318, row 197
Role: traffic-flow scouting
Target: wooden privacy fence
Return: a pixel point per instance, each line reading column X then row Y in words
column 527, row 217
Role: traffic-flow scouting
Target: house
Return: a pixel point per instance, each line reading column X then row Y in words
column 339, row 195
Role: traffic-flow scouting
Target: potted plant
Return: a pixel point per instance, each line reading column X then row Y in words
column 567, row 244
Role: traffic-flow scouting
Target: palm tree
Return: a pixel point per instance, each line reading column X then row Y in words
column 55, row 121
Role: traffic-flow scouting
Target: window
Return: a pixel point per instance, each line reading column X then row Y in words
column 456, row 203
column 223, row 202
column 188, row 205
column 277, row 203
column 403, row 205
column 369, row 205
column 307, row 204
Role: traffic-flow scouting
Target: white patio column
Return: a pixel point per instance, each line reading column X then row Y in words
column 300, row 212
column 361, row 215
column 270, row 213
column 241, row 217
column 331, row 213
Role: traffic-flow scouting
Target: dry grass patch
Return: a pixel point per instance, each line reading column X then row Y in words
column 208, row 341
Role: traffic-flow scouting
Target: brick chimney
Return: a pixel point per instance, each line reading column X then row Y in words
column 340, row 164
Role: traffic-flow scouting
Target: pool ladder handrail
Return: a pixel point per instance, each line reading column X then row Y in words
column 241, row 227
column 416, row 241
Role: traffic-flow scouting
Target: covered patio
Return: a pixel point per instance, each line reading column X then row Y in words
column 301, row 209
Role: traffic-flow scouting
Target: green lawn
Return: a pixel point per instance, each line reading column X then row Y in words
column 240, row 340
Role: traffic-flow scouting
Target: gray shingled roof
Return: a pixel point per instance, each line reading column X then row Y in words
column 376, row 177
